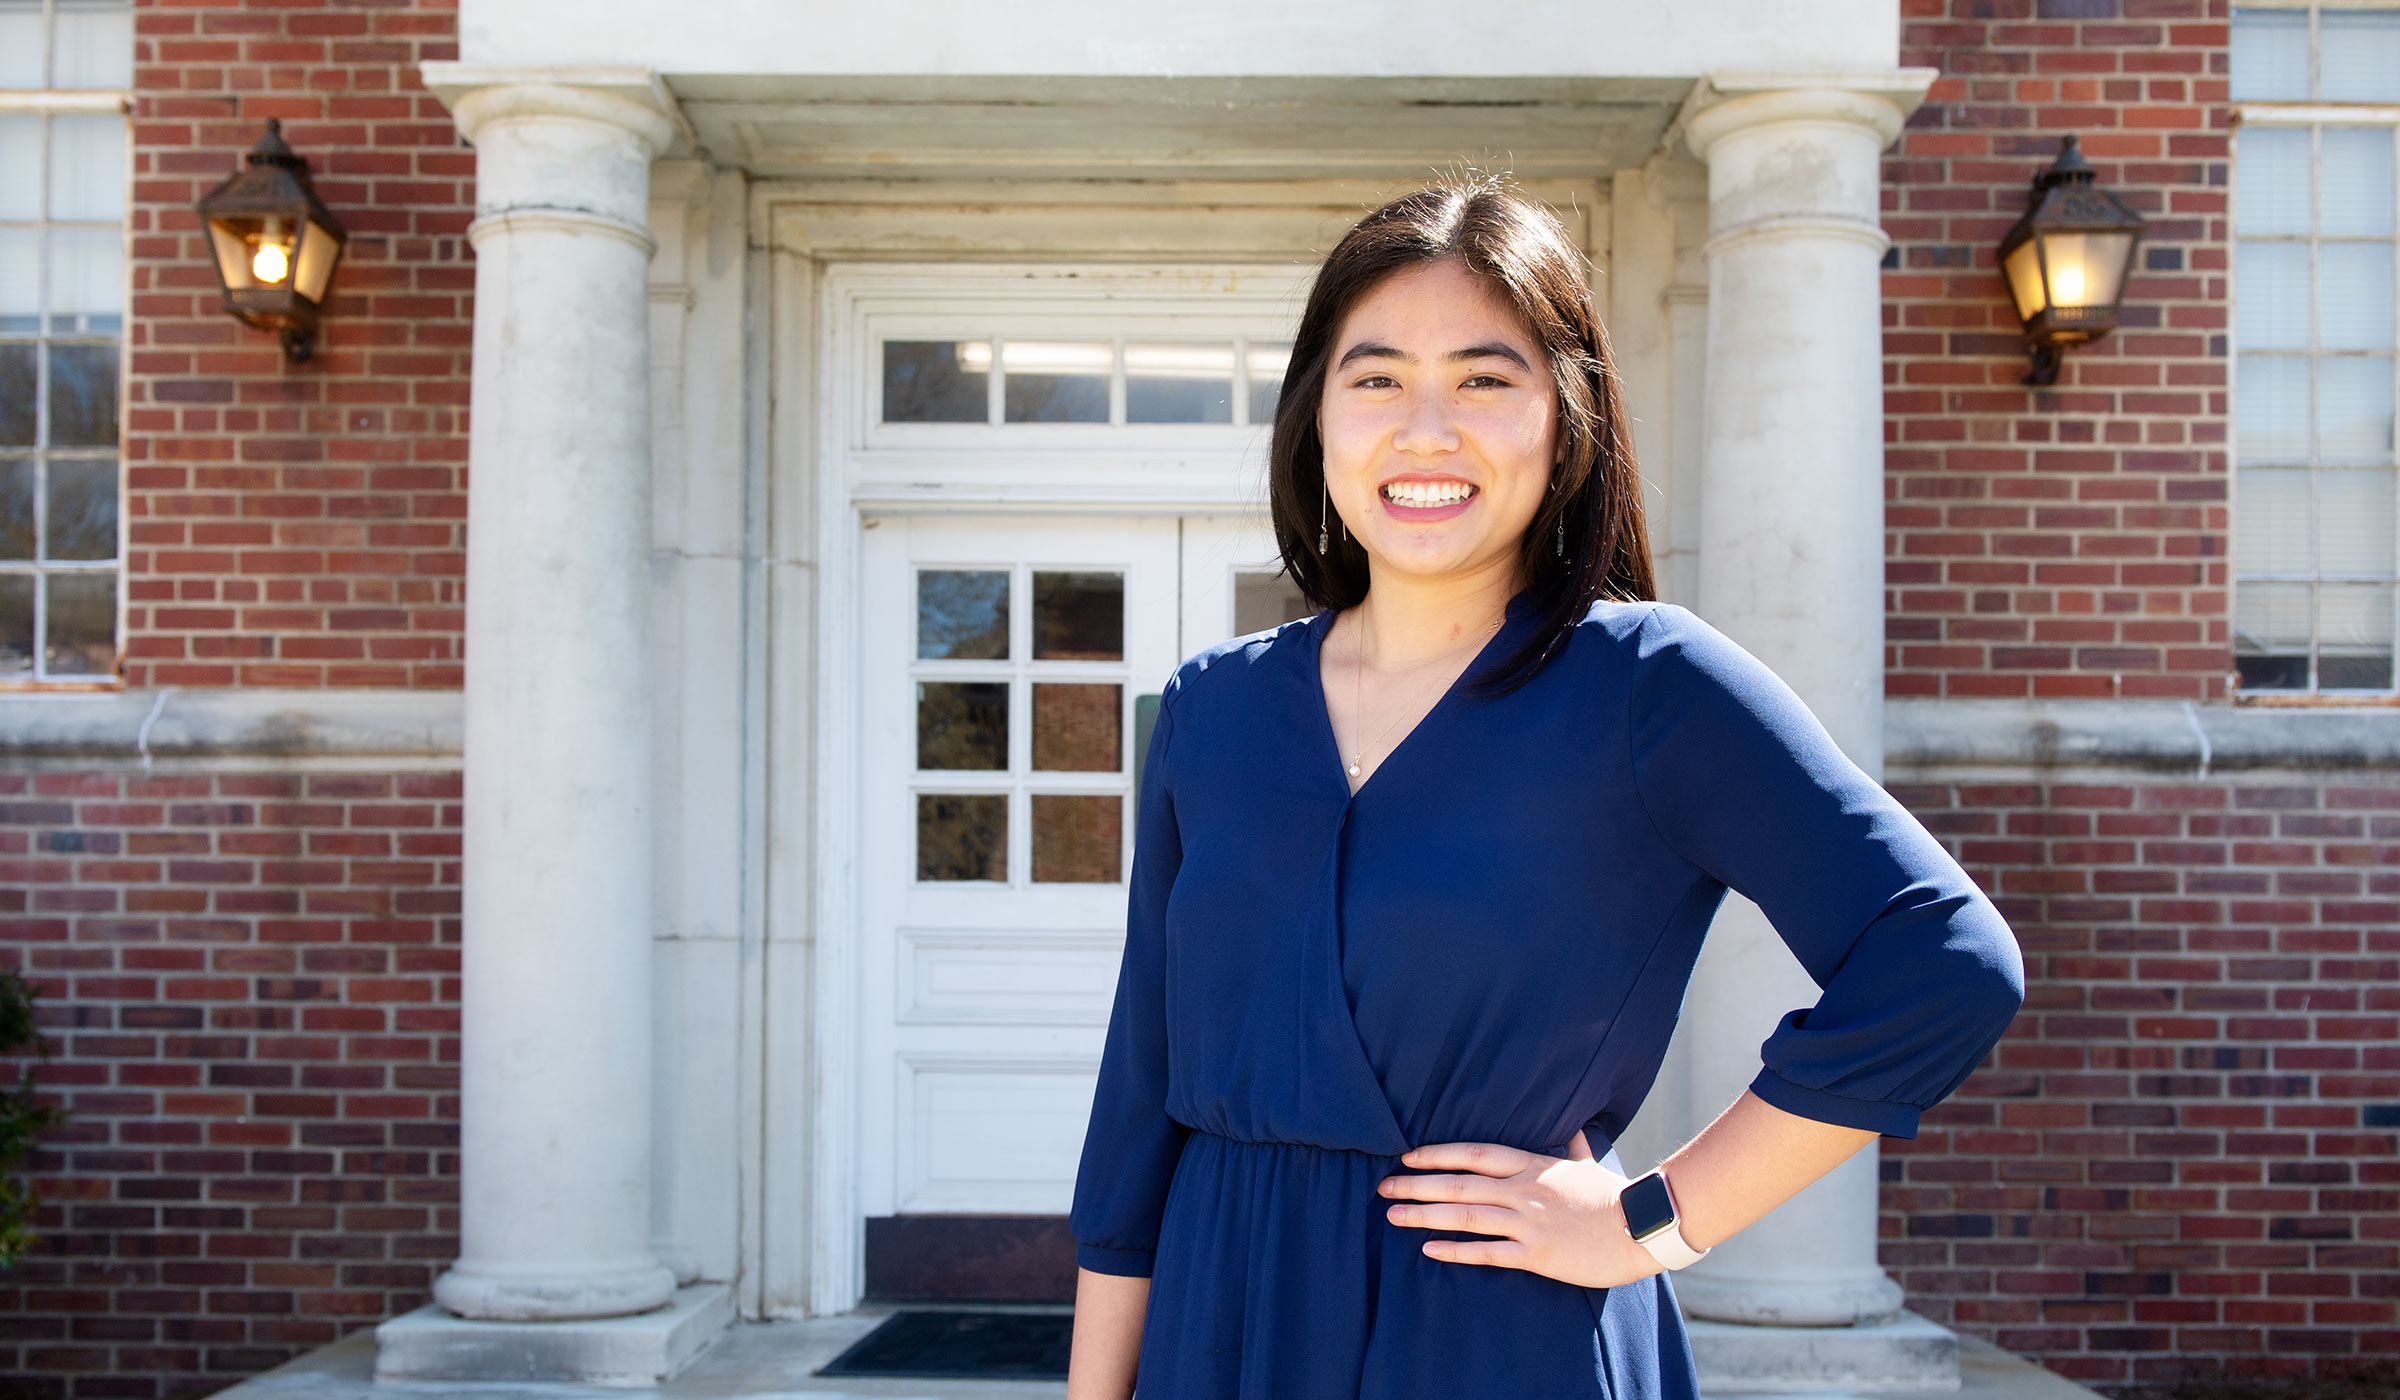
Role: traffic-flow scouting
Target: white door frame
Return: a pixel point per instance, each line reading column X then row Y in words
column 1209, row 470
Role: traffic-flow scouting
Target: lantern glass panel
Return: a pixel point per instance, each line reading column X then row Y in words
column 312, row 268
column 2024, row 269
column 233, row 254
column 238, row 239
column 2086, row 269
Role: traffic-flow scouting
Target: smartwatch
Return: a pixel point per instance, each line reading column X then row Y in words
column 1651, row 1219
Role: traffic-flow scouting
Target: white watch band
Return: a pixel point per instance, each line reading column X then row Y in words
column 1670, row 1249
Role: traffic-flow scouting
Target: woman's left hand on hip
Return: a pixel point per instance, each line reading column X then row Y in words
column 1555, row 1216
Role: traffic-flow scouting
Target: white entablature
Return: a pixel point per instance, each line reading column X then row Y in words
column 1202, row 38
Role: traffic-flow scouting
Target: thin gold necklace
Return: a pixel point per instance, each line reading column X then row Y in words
column 1358, row 680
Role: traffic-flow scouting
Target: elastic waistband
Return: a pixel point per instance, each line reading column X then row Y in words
column 1602, row 1148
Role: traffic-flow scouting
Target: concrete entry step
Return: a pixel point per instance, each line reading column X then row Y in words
column 770, row 1360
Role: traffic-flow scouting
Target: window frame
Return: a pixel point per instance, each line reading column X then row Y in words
column 47, row 104
column 2314, row 117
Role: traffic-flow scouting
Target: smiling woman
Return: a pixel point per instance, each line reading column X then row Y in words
column 1418, row 883
column 1451, row 334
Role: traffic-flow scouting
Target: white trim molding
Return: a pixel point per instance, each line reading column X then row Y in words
column 174, row 728
column 408, row 730
column 2166, row 737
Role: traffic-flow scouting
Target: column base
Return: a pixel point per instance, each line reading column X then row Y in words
column 645, row 1349
column 466, row 1293
column 1852, row 1298
column 1907, row 1353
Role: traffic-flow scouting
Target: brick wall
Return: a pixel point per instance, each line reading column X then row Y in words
column 2181, row 1160
column 250, row 986
column 2067, row 542
column 298, row 525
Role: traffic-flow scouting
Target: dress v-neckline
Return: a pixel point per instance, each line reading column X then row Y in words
column 1321, row 626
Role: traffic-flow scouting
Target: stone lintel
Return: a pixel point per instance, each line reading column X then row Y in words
column 182, row 728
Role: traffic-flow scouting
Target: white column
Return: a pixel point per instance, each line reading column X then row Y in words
column 1791, row 567
column 554, row 1217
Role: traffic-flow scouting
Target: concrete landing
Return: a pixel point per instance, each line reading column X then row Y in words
column 770, row 1360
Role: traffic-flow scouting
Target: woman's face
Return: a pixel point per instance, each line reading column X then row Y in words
column 1440, row 425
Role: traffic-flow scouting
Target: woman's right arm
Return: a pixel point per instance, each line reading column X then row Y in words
column 1131, row 1147
column 1108, row 1335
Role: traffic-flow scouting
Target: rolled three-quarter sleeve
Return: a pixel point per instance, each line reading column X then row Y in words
column 1919, row 974
column 1131, row 1146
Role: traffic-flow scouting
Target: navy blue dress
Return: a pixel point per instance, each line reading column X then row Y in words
column 1489, row 942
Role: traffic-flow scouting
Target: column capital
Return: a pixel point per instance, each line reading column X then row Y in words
column 1723, row 103
column 560, row 150
column 633, row 98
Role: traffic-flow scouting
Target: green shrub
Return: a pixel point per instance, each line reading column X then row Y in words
column 21, row 1118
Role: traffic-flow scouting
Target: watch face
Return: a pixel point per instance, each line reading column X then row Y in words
column 1648, row 1208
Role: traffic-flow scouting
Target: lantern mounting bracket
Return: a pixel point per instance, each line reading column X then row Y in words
column 2046, row 360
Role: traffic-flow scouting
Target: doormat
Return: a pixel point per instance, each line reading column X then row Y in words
column 998, row 1345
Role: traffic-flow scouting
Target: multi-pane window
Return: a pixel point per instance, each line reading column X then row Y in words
column 64, row 67
column 1021, row 709
column 1082, row 381
column 2316, row 291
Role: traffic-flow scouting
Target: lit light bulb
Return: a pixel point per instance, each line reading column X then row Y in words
column 269, row 263
column 2066, row 285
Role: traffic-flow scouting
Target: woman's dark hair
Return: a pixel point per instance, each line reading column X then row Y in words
column 1519, row 249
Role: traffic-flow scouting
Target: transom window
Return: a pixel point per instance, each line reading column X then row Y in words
column 2316, row 289
column 1003, row 380
column 65, row 65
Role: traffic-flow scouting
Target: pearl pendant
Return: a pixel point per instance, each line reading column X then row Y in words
column 1353, row 770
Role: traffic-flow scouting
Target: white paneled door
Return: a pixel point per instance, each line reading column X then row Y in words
column 1007, row 663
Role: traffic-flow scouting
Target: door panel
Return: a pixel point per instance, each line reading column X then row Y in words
column 1004, row 656
column 1007, row 662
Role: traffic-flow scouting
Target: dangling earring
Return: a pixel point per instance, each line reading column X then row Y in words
column 1324, row 512
column 1562, row 515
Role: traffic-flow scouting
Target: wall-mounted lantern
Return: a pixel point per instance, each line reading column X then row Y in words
column 276, row 243
column 2066, row 261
